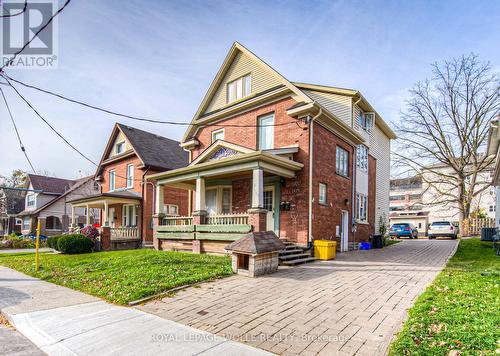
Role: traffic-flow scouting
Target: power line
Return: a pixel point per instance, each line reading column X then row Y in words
column 9, row 62
column 17, row 131
column 49, row 125
column 59, row 134
column 19, row 13
column 60, row 96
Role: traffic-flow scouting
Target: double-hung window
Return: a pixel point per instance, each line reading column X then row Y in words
column 266, row 132
column 130, row 176
column 239, row 88
column 342, row 162
column 322, row 193
column 362, row 158
column 112, row 175
column 30, row 200
column 361, row 207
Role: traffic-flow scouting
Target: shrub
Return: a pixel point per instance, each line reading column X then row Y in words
column 90, row 231
column 6, row 243
column 18, row 242
column 73, row 244
column 52, row 241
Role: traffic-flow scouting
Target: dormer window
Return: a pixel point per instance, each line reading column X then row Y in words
column 366, row 120
column 239, row 88
column 120, row 147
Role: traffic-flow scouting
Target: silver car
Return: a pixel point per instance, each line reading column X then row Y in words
column 442, row 228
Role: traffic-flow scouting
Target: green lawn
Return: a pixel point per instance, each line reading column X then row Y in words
column 122, row 276
column 460, row 312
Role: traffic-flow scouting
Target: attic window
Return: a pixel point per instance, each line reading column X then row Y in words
column 239, row 88
column 217, row 135
column 120, row 147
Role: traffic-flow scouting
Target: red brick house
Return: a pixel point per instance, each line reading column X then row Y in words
column 126, row 199
column 307, row 161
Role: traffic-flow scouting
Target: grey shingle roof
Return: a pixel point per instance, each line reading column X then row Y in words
column 50, row 184
column 156, row 151
column 257, row 242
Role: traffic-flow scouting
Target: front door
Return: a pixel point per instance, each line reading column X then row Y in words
column 269, row 206
column 344, row 234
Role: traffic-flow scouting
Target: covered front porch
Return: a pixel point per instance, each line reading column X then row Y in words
column 120, row 217
column 229, row 197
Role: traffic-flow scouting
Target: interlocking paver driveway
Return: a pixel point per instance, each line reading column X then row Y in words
column 352, row 305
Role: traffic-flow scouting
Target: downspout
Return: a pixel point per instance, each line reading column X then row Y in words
column 353, row 185
column 311, row 156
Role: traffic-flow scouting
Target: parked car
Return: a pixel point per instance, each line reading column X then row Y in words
column 442, row 228
column 403, row 230
column 33, row 237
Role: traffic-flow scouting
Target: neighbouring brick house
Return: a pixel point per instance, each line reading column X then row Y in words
column 47, row 200
column 306, row 161
column 125, row 199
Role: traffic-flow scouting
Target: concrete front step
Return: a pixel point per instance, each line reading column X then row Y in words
column 291, row 251
column 296, row 256
column 298, row 261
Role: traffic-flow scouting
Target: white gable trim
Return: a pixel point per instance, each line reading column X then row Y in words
column 216, row 146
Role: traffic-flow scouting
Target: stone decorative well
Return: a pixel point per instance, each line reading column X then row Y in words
column 256, row 253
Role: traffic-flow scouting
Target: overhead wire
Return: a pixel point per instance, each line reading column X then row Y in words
column 17, row 131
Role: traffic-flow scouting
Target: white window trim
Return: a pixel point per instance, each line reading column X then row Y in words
column 361, row 201
column 345, row 163
column 240, row 81
column 112, row 172
column 261, row 128
column 131, row 177
column 28, row 200
column 116, row 147
column 325, row 196
column 169, row 206
column 364, row 123
column 219, row 196
column 362, row 157
column 133, row 217
column 215, row 132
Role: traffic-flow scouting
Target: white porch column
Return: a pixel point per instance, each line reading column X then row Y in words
column 258, row 189
column 159, row 201
column 200, row 195
column 88, row 214
column 72, row 215
column 106, row 214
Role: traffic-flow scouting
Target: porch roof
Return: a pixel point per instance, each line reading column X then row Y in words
column 123, row 197
column 242, row 162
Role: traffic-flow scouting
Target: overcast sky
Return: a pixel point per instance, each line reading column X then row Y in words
column 157, row 59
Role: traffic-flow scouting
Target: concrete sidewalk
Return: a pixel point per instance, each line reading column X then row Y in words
column 27, row 250
column 61, row 321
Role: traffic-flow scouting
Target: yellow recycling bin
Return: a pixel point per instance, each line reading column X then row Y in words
column 325, row 249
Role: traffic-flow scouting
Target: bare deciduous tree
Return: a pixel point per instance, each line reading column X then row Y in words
column 444, row 128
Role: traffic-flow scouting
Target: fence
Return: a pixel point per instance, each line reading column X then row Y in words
column 473, row 226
